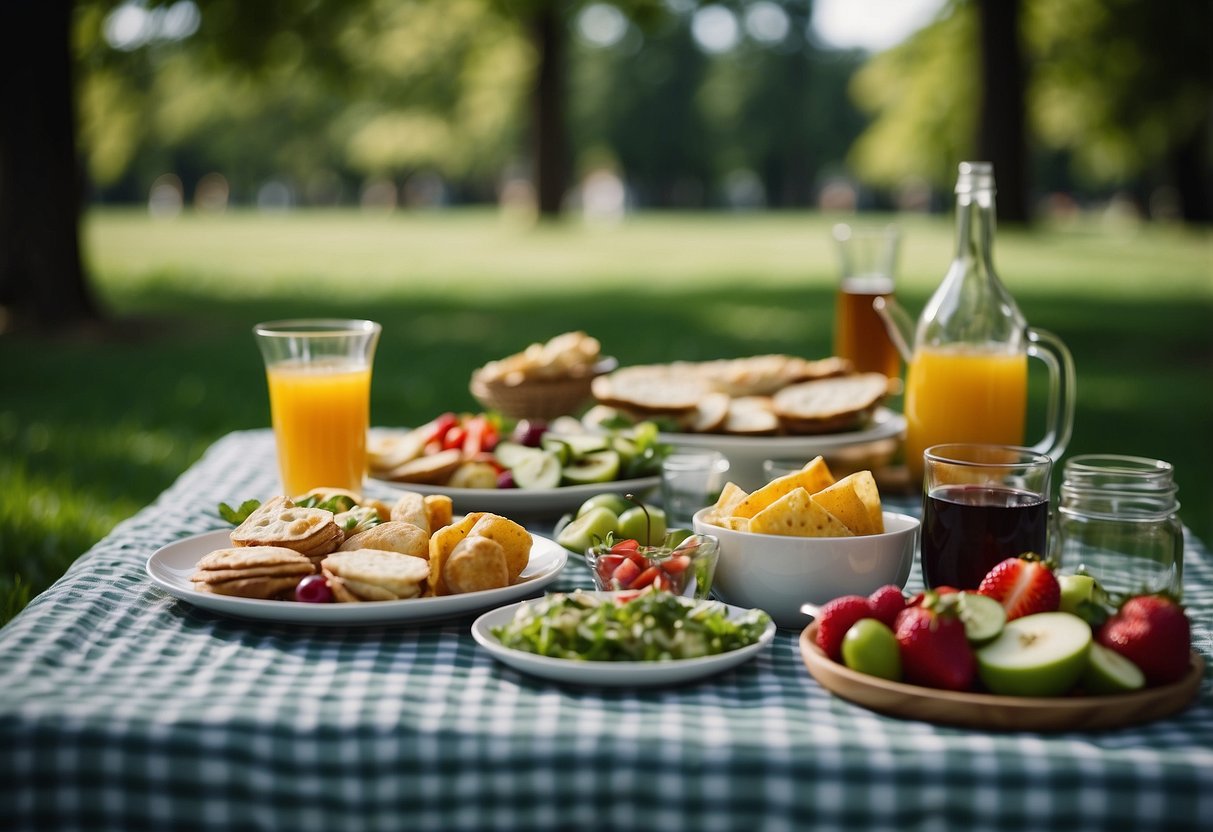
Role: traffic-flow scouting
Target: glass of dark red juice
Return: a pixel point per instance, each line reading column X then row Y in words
column 981, row 504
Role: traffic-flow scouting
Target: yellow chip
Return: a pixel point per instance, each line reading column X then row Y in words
column 737, row 524
column 438, row 510
column 796, row 515
column 855, row 501
column 730, row 496
column 813, row 477
column 513, row 538
column 477, row 563
column 442, row 542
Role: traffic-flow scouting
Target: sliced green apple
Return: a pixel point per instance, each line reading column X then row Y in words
column 615, row 502
column 1036, row 655
column 1109, row 672
column 1075, row 589
column 587, row 530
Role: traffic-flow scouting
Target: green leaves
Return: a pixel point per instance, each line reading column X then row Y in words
column 236, row 516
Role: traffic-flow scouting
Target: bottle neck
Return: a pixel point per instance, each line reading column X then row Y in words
column 975, row 227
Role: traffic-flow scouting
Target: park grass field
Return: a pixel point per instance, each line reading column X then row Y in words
column 93, row 426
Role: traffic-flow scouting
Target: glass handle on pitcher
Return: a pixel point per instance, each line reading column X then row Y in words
column 1060, row 416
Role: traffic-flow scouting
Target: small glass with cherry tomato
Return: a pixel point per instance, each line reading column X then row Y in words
column 681, row 564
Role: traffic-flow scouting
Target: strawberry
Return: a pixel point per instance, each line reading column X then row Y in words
column 1023, row 585
column 1151, row 631
column 934, row 650
column 836, row 618
column 886, row 602
column 943, row 589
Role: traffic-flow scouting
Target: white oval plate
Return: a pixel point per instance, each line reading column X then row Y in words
column 171, row 566
column 746, row 453
column 610, row 674
column 528, row 501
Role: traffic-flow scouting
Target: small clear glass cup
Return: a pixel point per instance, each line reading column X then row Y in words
column 685, row 566
column 981, row 504
column 691, row 480
column 319, row 376
column 868, row 260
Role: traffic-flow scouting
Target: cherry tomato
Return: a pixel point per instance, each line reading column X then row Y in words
column 441, row 425
column 607, row 564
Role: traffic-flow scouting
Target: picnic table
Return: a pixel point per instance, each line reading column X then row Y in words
column 124, row 708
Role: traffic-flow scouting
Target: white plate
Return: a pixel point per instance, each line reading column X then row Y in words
column 610, row 674
column 746, row 453
column 171, row 566
column 509, row 501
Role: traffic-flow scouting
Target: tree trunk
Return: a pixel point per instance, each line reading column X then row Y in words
column 41, row 279
column 1001, row 134
column 548, row 134
column 1193, row 177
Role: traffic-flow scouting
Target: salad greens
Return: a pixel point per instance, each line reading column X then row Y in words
column 350, row 516
column 652, row 626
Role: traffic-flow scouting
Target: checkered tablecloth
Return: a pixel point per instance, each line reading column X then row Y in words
column 122, row 708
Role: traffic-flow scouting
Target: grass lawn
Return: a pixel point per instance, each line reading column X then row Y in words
column 93, row 428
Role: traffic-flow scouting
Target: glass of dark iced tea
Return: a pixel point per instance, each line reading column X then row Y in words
column 980, row 505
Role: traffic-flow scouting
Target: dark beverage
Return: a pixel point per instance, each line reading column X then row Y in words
column 967, row 529
column 859, row 333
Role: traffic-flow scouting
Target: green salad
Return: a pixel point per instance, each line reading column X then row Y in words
column 653, row 626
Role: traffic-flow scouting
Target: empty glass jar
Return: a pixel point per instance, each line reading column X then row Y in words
column 1118, row 520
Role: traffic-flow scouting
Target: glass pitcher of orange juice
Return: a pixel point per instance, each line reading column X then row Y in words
column 967, row 358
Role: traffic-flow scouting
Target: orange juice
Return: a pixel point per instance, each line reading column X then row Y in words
column 321, row 413
column 964, row 393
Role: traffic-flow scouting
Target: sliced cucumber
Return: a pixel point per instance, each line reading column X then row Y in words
column 510, row 454
column 1109, row 672
column 542, row 470
column 596, row 466
column 579, row 444
column 983, row 617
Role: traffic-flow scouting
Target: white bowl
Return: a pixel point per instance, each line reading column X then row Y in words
column 778, row 573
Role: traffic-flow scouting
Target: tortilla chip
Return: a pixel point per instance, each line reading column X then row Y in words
column 795, row 514
column 812, row 478
column 730, row 496
column 855, row 501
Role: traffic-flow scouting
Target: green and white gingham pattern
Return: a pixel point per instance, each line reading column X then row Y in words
column 122, row 708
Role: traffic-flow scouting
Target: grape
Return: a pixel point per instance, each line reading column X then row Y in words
column 530, row 432
column 314, row 589
column 506, row 479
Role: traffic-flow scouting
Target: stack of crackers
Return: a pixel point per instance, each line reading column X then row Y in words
column 805, row 503
column 417, row 549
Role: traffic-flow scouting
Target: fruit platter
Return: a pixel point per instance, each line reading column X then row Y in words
column 489, row 462
column 1026, row 650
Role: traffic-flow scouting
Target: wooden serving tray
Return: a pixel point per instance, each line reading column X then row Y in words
column 988, row 712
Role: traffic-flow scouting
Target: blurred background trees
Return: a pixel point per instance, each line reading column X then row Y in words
column 603, row 105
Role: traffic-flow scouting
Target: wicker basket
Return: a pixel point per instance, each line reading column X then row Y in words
column 538, row 398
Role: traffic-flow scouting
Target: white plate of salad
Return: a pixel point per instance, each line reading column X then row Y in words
column 711, row 637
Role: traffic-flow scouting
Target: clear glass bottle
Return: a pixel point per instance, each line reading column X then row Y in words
column 967, row 379
column 1118, row 519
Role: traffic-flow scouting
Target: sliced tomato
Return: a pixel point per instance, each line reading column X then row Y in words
column 625, row 547
column 676, row 564
column 607, row 564
column 624, row 574
column 441, row 425
column 646, row 577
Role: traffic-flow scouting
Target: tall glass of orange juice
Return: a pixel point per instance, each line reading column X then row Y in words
column 319, row 376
